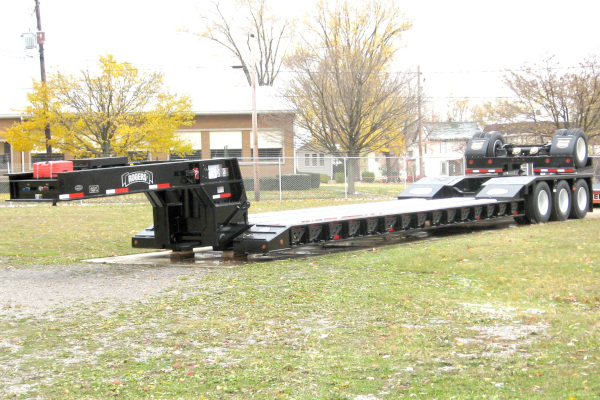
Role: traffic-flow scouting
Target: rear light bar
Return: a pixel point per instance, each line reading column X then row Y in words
column 484, row 171
column 567, row 170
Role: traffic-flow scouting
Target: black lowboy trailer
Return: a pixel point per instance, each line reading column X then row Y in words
column 203, row 202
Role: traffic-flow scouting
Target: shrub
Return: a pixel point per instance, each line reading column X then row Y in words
column 315, row 179
column 339, row 177
column 295, row 182
column 368, row 176
column 324, row 178
column 288, row 182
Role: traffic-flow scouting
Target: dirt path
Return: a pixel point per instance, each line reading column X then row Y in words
column 41, row 290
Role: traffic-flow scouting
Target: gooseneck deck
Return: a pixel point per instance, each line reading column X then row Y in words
column 203, row 202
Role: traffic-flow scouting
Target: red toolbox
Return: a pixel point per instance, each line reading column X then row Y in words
column 49, row 169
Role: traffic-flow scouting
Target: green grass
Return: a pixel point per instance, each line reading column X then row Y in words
column 481, row 314
column 34, row 234
column 43, row 234
column 328, row 191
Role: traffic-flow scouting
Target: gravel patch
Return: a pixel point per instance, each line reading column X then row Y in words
column 41, row 290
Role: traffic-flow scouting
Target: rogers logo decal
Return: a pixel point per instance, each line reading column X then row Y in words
column 135, row 177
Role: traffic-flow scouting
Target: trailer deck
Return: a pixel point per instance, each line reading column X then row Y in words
column 288, row 229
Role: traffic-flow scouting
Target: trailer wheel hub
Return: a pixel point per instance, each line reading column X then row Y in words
column 543, row 202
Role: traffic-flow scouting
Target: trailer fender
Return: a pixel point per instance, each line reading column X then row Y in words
column 433, row 188
column 506, row 188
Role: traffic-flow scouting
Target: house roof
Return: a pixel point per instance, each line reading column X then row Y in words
column 451, row 130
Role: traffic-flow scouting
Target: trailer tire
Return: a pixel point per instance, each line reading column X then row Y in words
column 538, row 205
column 496, row 140
column 561, row 202
column 581, row 193
column 576, row 147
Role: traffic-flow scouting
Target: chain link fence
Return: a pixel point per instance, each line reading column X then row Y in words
column 4, row 169
column 303, row 178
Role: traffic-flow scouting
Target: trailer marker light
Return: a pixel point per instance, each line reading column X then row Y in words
column 555, row 170
column 484, row 171
column 70, row 196
column 490, row 161
column 160, row 186
column 117, row 191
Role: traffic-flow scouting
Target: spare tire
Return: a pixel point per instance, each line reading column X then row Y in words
column 495, row 141
column 484, row 144
column 570, row 143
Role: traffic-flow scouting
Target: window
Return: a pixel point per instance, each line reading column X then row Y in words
column 220, row 153
column 322, row 160
column 307, row 160
column 444, row 168
column 314, row 160
column 268, row 153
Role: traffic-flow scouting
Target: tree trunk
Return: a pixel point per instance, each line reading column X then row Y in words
column 352, row 173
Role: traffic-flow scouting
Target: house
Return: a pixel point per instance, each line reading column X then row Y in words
column 316, row 162
column 319, row 162
column 222, row 127
column 19, row 161
column 444, row 144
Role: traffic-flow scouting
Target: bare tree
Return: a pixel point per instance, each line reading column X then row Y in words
column 257, row 27
column 458, row 109
column 569, row 99
column 344, row 95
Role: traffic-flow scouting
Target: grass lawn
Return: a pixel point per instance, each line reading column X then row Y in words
column 482, row 314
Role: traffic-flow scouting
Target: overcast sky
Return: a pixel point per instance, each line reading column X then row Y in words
column 461, row 46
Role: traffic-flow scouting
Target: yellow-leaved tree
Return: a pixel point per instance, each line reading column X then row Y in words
column 115, row 111
column 346, row 95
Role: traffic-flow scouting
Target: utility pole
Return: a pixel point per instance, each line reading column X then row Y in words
column 420, row 125
column 254, row 129
column 40, row 40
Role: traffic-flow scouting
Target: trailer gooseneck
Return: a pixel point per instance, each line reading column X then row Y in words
column 203, row 202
